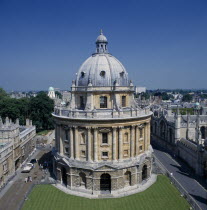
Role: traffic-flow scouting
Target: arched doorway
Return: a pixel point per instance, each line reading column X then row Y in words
column 64, row 176
column 82, row 179
column 105, row 182
column 127, row 178
column 144, row 172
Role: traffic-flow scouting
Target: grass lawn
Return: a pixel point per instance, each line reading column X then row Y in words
column 44, row 132
column 160, row 196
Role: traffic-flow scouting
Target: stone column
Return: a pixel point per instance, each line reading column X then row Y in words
column 114, row 143
column 132, row 141
column 71, row 143
column 145, row 136
column 76, row 143
column 95, row 145
column 120, row 143
column 137, row 140
column 149, row 133
column 88, row 143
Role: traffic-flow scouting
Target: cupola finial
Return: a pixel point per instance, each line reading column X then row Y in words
column 101, row 32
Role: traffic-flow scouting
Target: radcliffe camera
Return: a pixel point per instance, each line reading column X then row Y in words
column 103, row 105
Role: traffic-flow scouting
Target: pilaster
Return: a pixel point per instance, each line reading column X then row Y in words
column 120, row 143
column 114, row 143
column 71, row 143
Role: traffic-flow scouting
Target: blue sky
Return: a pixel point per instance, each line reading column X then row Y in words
column 161, row 43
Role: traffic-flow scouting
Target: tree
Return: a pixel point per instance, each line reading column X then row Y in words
column 3, row 93
column 187, row 98
column 40, row 109
column 58, row 94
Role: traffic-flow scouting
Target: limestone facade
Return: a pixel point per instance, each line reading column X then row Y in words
column 182, row 135
column 102, row 137
column 15, row 147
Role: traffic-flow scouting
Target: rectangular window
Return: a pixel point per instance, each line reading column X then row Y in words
column 104, row 154
column 126, row 153
column 83, row 153
column 126, row 138
column 141, row 133
column 123, row 100
column 104, row 138
column 5, row 167
column 140, row 148
column 82, row 104
column 66, row 150
column 103, row 102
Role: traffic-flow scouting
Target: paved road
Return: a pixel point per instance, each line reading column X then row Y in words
column 17, row 188
column 184, row 175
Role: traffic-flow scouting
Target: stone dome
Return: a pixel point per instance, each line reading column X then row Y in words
column 51, row 89
column 102, row 69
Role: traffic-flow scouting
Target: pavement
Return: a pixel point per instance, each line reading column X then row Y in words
column 15, row 192
column 194, row 185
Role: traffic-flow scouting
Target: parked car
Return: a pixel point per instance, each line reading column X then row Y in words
column 28, row 167
column 33, row 161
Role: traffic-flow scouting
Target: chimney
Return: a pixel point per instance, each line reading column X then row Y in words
column 17, row 121
column 27, row 122
column 7, row 121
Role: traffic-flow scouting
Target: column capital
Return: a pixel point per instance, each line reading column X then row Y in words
column 95, row 128
column 141, row 126
column 121, row 127
column 133, row 126
column 88, row 127
column 74, row 126
column 114, row 127
column 65, row 127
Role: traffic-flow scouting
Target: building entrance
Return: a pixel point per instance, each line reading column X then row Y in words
column 105, row 182
column 64, row 176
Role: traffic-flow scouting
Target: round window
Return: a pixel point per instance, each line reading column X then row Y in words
column 103, row 73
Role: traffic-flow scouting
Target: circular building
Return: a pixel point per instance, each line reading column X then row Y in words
column 102, row 135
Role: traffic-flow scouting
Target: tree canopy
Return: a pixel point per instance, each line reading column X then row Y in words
column 187, row 98
column 38, row 109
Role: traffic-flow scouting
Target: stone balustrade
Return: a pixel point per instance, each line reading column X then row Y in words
column 101, row 114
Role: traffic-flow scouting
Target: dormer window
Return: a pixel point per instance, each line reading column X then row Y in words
column 103, row 73
column 122, row 74
column 103, row 102
column 83, row 74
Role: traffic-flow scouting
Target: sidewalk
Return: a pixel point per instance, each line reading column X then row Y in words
column 14, row 193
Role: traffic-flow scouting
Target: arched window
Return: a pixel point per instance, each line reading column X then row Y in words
column 82, row 179
column 203, row 133
column 102, row 73
column 155, row 130
column 144, row 172
column 127, row 178
column 103, row 102
column 64, row 176
column 82, row 104
column 162, row 129
column 105, row 182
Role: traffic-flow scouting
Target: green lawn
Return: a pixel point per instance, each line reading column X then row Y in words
column 160, row 196
column 44, row 132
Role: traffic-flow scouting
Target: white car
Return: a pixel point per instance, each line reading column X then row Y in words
column 28, row 167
